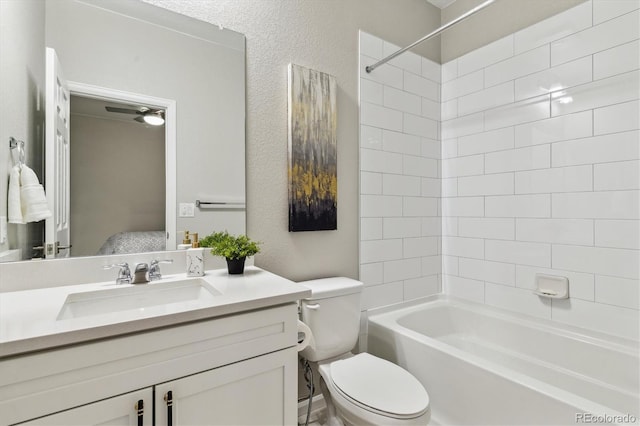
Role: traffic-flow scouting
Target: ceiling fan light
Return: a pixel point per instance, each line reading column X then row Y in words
column 153, row 118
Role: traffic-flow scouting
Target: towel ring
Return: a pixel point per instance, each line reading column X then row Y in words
column 19, row 145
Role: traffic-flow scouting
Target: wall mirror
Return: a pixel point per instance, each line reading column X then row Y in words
column 129, row 55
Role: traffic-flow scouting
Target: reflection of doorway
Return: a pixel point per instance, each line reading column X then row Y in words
column 117, row 174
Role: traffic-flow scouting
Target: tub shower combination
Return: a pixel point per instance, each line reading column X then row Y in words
column 482, row 365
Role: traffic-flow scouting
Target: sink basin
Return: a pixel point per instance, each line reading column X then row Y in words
column 189, row 292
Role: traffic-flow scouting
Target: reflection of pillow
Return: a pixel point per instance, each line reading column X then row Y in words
column 134, row 242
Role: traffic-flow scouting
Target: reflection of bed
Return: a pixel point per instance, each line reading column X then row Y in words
column 134, row 242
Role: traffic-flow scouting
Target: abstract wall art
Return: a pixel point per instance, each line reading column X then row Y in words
column 313, row 174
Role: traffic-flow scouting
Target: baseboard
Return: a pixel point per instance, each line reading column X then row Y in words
column 317, row 408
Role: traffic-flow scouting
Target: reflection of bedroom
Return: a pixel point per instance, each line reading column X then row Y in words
column 117, row 180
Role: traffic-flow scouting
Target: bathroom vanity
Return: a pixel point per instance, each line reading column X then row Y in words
column 216, row 350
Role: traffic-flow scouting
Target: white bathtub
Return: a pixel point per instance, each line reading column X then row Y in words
column 487, row 366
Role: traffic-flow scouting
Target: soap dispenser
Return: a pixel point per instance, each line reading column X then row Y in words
column 186, row 242
column 195, row 258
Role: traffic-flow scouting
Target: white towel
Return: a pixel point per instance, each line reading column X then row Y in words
column 32, row 200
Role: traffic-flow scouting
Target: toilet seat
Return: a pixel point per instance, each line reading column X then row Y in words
column 379, row 386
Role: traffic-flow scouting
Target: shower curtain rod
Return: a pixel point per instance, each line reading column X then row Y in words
column 430, row 35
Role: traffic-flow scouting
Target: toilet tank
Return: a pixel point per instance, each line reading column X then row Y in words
column 333, row 315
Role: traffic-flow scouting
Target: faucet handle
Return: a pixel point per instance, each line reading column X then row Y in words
column 124, row 274
column 154, row 268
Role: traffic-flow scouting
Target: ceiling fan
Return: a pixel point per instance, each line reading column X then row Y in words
column 155, row 117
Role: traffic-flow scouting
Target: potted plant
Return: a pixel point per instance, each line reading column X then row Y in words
column 234, row 249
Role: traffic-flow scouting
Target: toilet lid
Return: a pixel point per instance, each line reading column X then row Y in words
column 380, row 384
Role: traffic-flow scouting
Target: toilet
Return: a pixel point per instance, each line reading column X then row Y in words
column 358, row 389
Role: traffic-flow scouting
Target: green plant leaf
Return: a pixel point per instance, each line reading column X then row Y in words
column 230, row 246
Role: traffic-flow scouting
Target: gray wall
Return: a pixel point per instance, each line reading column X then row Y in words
column 22, row 63
column 322, row 35
column 118, row 180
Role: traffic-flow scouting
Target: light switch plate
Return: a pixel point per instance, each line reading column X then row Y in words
column 187, row 210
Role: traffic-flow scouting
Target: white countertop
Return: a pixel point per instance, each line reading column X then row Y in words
column 29, row 320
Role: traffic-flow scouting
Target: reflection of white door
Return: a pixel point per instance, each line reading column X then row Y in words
column 57, row 139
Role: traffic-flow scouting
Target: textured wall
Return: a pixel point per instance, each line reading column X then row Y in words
column 322, row 35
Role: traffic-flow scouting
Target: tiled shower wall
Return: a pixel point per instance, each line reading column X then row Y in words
column 540, row 148
column 399, row 180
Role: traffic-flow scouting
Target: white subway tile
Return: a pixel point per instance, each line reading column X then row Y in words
column 467, row 206
column 463, row 247
column 581, row 285
column 420, row 247
column 449, row 148
column 421, row 287
column 450, row 187
column 556, row 231
column 534, row 157
column 397, row 270
column 421, row 86
column 605, row 92
column 370, row 183
column 370, row 45
column 402, row 101
column 463, row 86
column 370, row 137
column 400, row 142
column 407, row 61
column 379, row 161
column 487, row 227
column 616, row 118
column 618, row 291
column 463, row 126
column 420, row 126
column 376, row 296
column 516, row 299
column 463, row 166
column 431, row 70
column 596, row 205
column 525, row 111
column 431, row 109
column 603, row 261
column 597, row 149
column 617, row 60
column 431, row 265
column 496, row 184
column 596, row 39
column 562, row 179
column 557, row 78
column 464, row 288
column 450, row 226
column 449, row 71
column 371, row 273
column 495, row 272
column 370, row 228
column 618, row 234
column 371, row 92
column 554, row 28
column 449, row 109
column 597, row 316
column 380, row 206
column 420, row 166
column 430, row 187
column 431, row 226
column 378, row 116
column 419, row 206
column 450, row 265
column 486, row 55
column 495, row 140
column 380, row 250
column 572, row 126
column 384, row 74
column 603, row 10
column 492, row 97
column 400, row 185
column 520, row 65
column 400, row 227
column 534, row 254
column 430, row 148
column 619, row 175
column 518, row 206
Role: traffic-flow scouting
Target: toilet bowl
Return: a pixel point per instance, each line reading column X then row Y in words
column 358, row 389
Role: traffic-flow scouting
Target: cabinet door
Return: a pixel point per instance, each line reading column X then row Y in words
column 120, row 410
column 258, row 391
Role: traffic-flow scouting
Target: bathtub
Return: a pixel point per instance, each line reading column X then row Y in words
column 482, row 365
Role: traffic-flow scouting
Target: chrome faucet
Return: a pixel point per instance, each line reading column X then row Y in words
column 124, row 274
column 141, row 274
column 154, row 269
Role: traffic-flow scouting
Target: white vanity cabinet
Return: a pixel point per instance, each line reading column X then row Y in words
column 234, row 369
